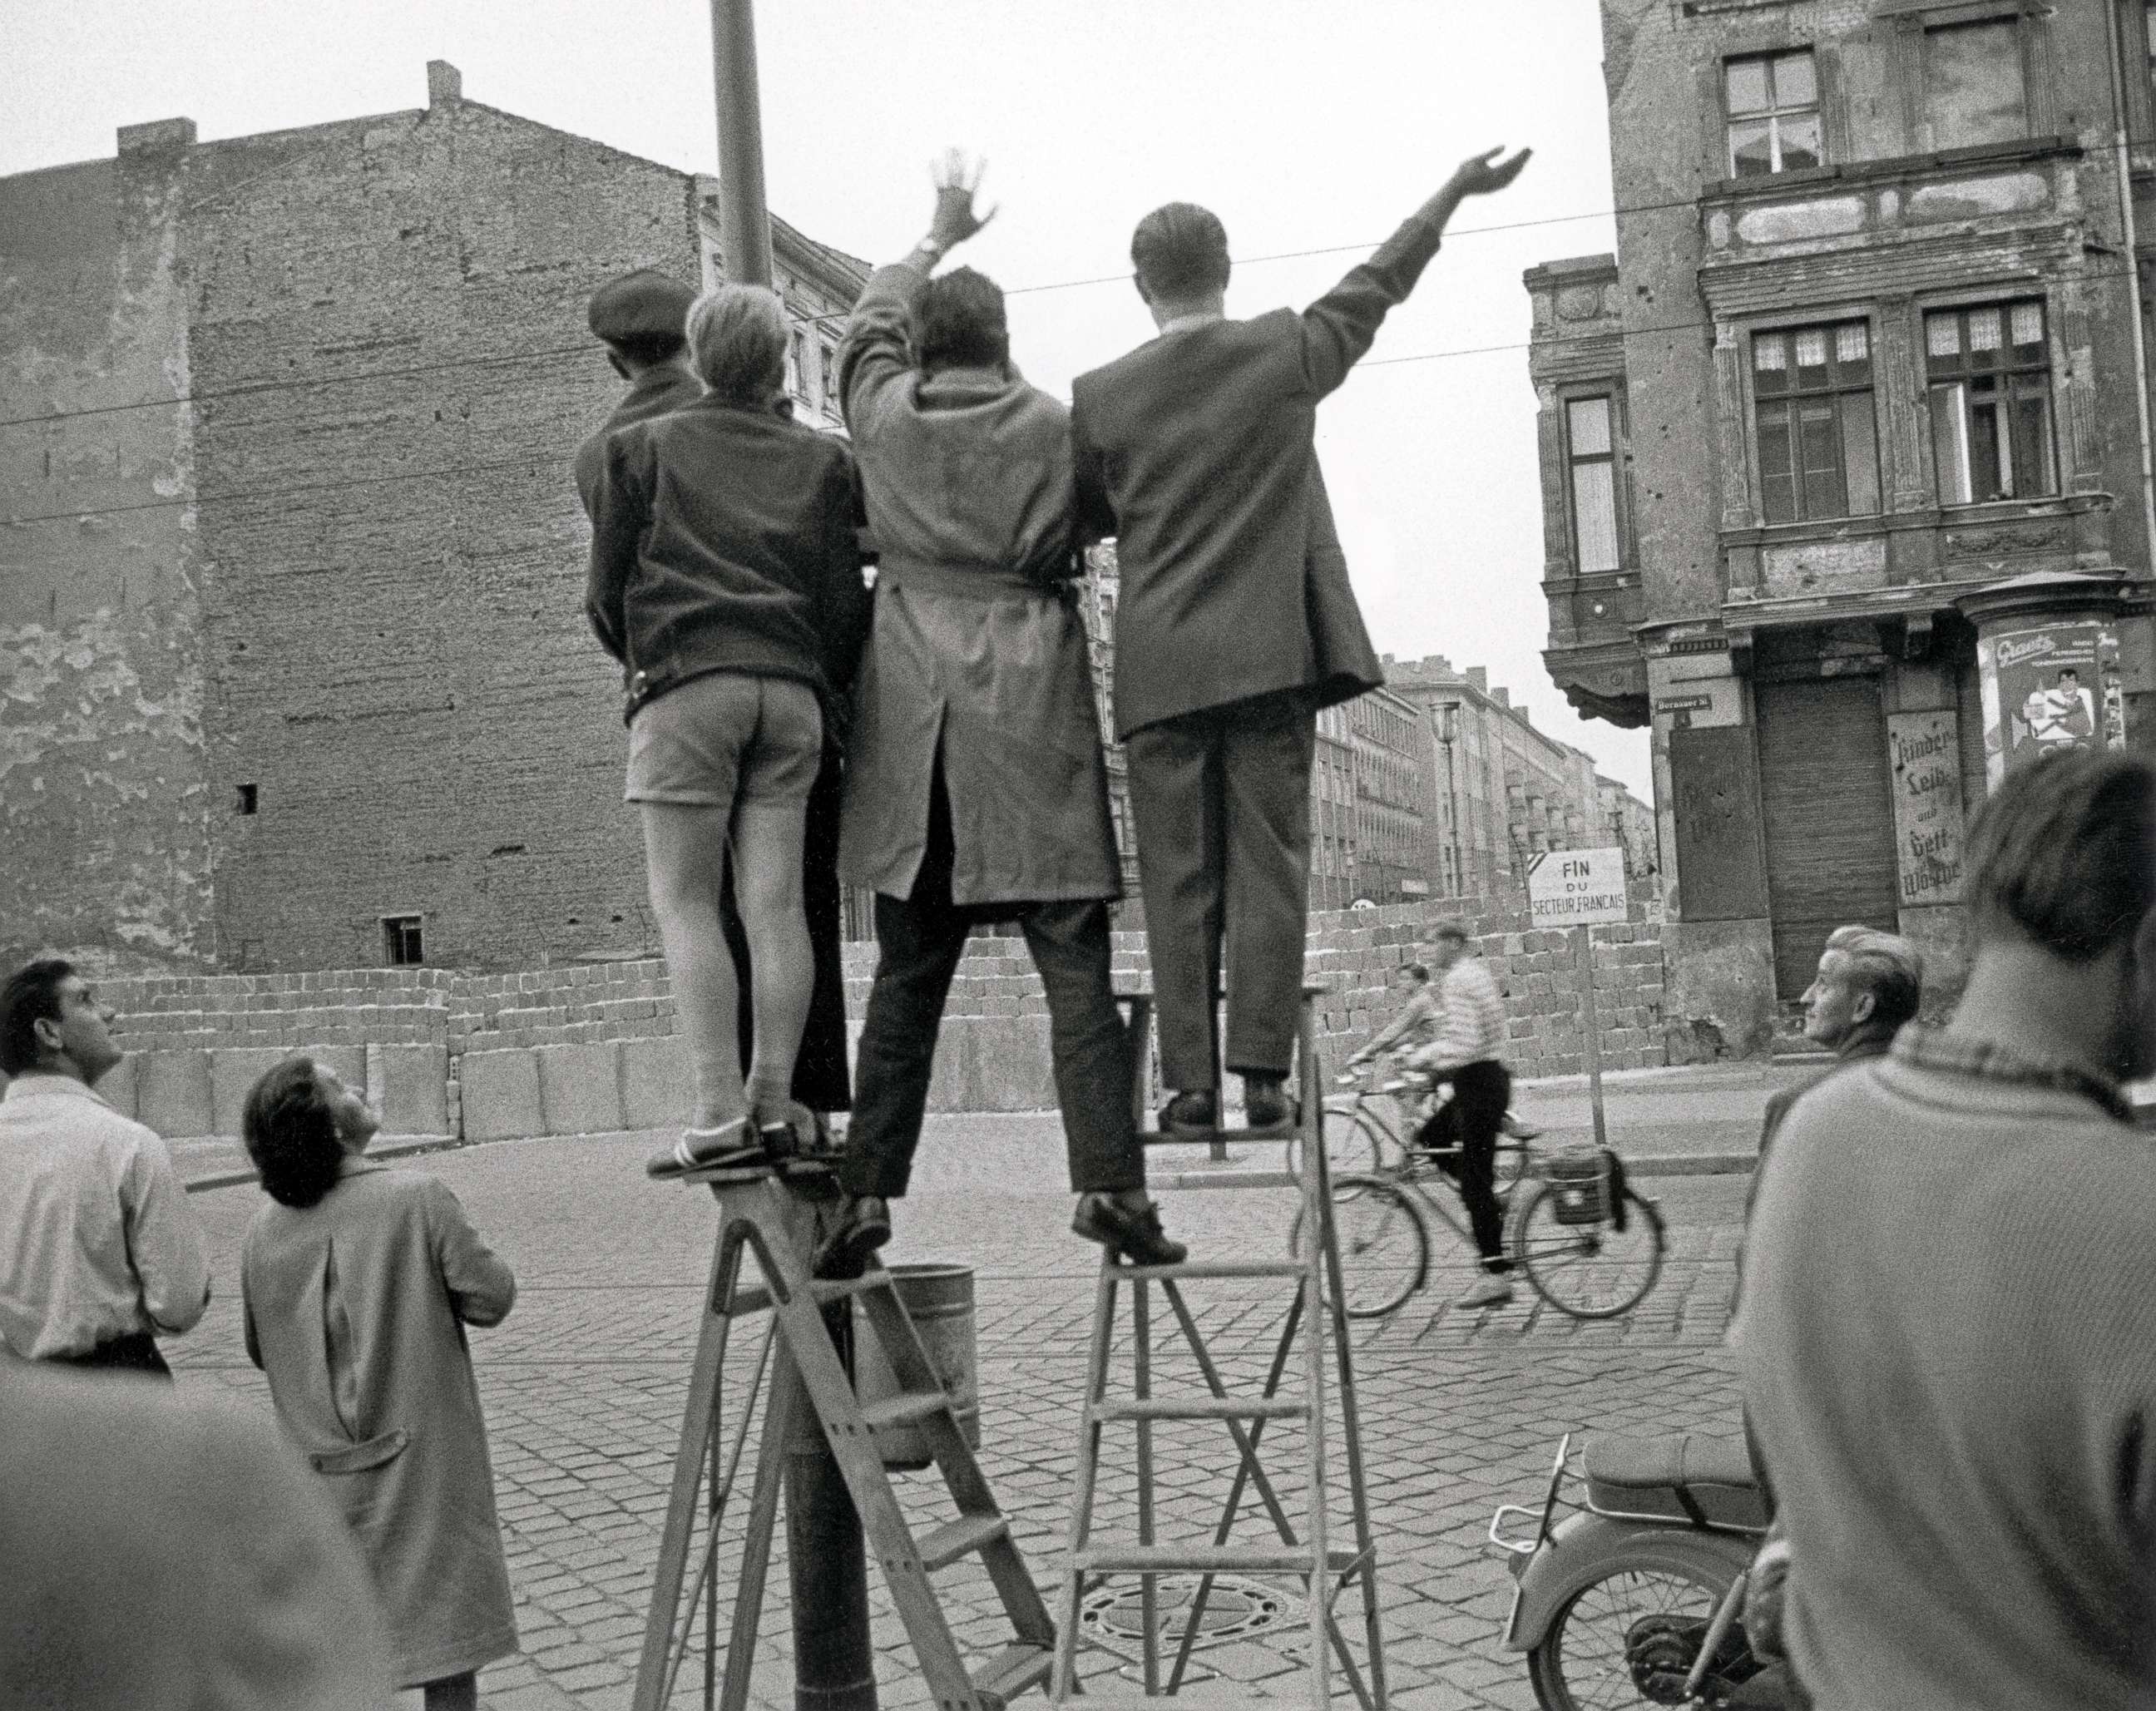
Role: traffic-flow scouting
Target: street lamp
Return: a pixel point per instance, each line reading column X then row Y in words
column 1448, row 733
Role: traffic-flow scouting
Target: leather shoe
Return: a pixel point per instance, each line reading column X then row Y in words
column 1266, row 1108
column 1128, row 1224
column 1190, row 1113
column 863, row 1226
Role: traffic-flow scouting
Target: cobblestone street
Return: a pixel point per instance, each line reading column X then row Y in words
column 583, row 1385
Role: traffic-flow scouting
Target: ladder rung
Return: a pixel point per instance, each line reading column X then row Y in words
column 1201, row 1408
column 756, row 1298
column 1220, row 1137
column 1230, row 1179
column 1213, row 1268
column 1220, row 1559
column 1014, row 1669
column 903, row 1411
column 945, row 1544
column 1205, row 1699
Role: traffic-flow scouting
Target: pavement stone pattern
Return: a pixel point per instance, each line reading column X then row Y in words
column 583, row 1386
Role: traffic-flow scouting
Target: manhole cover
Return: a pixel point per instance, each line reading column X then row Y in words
column 1113, row 1618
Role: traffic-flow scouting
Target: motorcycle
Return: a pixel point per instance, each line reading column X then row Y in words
column 1636, row 1596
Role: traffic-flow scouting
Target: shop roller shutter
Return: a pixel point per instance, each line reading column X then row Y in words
column 1825, row 783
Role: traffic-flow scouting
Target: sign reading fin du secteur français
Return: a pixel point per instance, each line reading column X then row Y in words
column 1576, row 887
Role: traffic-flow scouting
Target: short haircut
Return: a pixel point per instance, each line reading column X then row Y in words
column 290, row 1133
column 1180, row 251
column 645, row 349
column 31, row 996
column 2063, row 856
column 1418, row 971
column 1451, row 930
column 959, row 322
column 737, row 343
column 1888, row 966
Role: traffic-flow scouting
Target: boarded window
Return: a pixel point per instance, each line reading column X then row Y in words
column 1974, row 90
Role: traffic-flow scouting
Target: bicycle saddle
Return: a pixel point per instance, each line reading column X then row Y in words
column 1682, row 1476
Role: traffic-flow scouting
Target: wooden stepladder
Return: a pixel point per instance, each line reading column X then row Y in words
column 770, row 1219
column 1325, row 1567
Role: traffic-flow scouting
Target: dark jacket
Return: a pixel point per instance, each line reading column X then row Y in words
column 1194, row 451
column 977, row 645
column 722, row 540
column 658, row 391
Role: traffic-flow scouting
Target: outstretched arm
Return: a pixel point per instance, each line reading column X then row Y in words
column 1338, row 327
column 875, row 353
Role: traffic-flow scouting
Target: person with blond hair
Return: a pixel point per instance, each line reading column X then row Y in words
column 726, row 578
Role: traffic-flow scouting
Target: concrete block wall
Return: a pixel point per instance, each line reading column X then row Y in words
column 590, row 1048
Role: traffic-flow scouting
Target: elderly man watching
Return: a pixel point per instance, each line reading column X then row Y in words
column 1869, row 984
column 978, row 791
column 1952, row 1379
column 99, row 1248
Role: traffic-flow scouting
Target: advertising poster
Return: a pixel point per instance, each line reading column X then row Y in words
column 2045, row 689
column 1927, row 807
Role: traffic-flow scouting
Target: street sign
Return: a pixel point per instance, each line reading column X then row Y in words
column 1577, row 888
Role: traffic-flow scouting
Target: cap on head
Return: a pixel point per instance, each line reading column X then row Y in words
column 643, row 311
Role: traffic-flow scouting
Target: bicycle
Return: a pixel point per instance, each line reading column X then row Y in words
column 1361, row 1138
column 1587, row 1250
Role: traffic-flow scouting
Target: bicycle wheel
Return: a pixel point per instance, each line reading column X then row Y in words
column 1510, row 1164
column 1384, row 1250
column 1590, row 1271
column 1354, row 1146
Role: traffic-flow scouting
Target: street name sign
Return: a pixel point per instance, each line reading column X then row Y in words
column 1577, row 888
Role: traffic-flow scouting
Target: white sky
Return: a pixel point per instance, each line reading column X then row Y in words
column 1305, row 124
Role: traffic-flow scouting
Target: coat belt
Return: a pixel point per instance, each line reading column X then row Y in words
column 970, row 581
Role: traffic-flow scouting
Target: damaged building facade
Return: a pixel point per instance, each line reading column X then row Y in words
column 294, row 669
column 1845, row 453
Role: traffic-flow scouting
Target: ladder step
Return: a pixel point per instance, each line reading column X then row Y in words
column 1221, row 1558
column 756, row 1298
column 1202, row 1408
column 1213, row 1268
column 904, row 1411
column 1204, row 1698
column 1229, row 1179
column 945, row 1544
column 1014, row 1670
column 1219, row 1137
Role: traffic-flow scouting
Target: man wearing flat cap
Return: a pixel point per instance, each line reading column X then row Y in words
column 642, row 318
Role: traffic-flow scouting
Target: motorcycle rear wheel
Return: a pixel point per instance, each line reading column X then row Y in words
column 1601, row 1653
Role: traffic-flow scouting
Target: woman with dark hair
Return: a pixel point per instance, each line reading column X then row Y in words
column 357, row 1283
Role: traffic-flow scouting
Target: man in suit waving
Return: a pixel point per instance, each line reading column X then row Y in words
column 1236, row 622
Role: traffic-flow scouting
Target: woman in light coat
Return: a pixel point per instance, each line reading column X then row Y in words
column 357, row 1283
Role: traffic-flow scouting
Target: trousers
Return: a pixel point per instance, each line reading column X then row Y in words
column 136, row 1351
column 1221, row 802
column 1469, row 1120
column 919, row 940
column 820, row 1081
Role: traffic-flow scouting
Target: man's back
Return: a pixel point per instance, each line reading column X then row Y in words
column 1949, row 1343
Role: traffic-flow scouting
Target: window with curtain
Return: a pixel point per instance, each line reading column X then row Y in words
column 1990, row 374
column 1591, row 448
column 1771, row 103
column 1817, row 427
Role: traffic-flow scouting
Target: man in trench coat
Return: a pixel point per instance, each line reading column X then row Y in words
column 1236, row 623
column 977, row 790
column 640, row 318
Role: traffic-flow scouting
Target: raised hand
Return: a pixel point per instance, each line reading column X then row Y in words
column 956, row 179
column 1482, row 174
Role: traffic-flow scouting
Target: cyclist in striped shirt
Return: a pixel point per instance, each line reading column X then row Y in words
column 1465, row 1053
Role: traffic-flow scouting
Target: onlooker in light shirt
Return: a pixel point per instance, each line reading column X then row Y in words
column 99, row 1249
column 1416, row 1025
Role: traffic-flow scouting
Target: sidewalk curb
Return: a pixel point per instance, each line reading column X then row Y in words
column 1692, row 1164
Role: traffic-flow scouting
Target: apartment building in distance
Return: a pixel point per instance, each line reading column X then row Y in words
column 291, row 566
column 1844, row 452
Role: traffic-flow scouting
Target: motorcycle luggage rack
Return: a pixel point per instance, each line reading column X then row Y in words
column 1525, row 1549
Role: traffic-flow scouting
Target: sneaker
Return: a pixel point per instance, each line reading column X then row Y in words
column 1127, row 1223
column 1191, row 1113
column 729, row 1147
column 1491, row 1292
column 1518, row 1130
column 1267, row 1109
column 863, row 1225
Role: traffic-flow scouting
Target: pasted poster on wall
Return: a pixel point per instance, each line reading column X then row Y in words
column 2056, row 687
column 1927, row 806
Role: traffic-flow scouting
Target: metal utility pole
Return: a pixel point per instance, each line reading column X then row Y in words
column 744, row 222
column 834, row 1665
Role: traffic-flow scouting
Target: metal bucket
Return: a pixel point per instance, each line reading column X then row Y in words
column 939, row 1299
